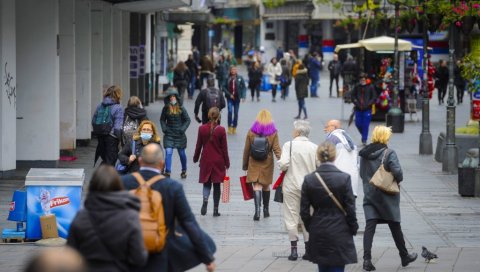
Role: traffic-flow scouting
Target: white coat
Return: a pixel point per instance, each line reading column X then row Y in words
column 347, row 156
column 302, row 163
column 274, row 71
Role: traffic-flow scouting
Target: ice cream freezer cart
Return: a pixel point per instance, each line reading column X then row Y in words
column 52, row 191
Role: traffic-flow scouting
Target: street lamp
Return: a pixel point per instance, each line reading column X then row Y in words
column 395, row 116
column 450, row 157
column 425, row 147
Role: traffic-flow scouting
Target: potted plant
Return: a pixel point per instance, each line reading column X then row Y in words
column 408, row 19
column 435, row 10
column 464, row 15
column 348, row 23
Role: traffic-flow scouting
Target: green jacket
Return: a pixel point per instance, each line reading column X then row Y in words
column 240, row 86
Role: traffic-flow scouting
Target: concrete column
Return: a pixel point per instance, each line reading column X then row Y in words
column 83, row 66
column 38, row 124
column 134, row 53
column 185, row 42
column 148, row 55
column 117, row 61
column 68, row 103
column 126, row 53
column 107, row 45
column 96, row 55
column 8, row 88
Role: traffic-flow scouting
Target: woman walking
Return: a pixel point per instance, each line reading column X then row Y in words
column 214, row 161
column 174, row 121
column 260, row 171
column 254, row 80
column 379, row 207
column 301, row 90
column 274, row 70
column 181, row 77
column 107, row 125
column 134, row 115
column 109, row 212
column 331, row 229
column 298, row 159
column 146, row 133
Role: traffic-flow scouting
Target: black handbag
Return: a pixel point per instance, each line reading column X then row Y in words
column 181, row 251
column 278, row 197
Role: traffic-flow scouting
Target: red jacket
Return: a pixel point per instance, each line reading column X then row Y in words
column 214, row 160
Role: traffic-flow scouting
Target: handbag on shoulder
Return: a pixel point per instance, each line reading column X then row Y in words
column 384, row 180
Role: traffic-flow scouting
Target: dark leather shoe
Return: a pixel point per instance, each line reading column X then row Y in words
column 203, row 211
column 368, row 266
column 293, row 254
column 409, row 259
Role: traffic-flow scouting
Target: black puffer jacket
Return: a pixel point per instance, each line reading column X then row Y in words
column 331, row 232
column 377, row 204
column 107, row 232
column 301, row 83
column 174, row 125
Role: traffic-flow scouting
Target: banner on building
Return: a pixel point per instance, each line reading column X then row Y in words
column 134, row 61
column 141, row 57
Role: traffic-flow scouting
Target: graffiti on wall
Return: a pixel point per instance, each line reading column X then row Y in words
column 10, row 88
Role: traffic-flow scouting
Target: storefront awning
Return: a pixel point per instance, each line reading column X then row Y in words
column 194, row 17
column 295, row 10
column 149, row 5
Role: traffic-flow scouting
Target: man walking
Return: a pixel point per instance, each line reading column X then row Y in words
column 175, row 207
column 334, row 66
column 314, row 67
column 235, row 89
column 363, row 97
column 208, row 98
column 193, row 68
column 347, row 152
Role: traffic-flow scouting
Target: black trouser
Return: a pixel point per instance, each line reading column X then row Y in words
column 331, row 82
column 255, row 89
column 108, row 149
column 397, row 235
column 442, row 90
column 274, row 90
column 460, row 91
column 216, row 192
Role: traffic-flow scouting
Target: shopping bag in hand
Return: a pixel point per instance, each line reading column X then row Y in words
column 226, row 190
column 247, row 188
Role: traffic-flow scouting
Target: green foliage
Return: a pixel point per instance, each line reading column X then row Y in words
column 273, row 3
column 441, row 7
column 469, row 130
column 471, row 72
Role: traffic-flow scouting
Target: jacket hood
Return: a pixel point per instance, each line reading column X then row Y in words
column 136, row 112
column 111, row 201
column 372, row 151
column 170, row 92
column 344, row 139
column 108, row 101
column 263, row 129
column 302, row 71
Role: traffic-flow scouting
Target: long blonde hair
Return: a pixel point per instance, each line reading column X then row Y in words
column 155, row 137
column 264, row 117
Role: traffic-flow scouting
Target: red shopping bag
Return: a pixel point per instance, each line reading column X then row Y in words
column 247, row 188
column 279, row 180
column 226, row 190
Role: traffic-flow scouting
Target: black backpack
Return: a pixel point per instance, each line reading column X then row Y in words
column 259, row 148
column 212, row 98
column 103, row 122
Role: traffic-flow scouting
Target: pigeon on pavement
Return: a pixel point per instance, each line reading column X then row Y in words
column 428, row 255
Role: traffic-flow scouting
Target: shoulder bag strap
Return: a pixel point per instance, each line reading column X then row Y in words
column 384, row 155
column 139, row 178
column 154, row 179
column 330, row 194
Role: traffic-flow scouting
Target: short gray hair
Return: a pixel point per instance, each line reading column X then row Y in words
column 152, row 154
column 302, row 127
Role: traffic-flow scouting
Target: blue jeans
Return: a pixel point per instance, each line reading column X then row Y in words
column 313, row 86
column 168, row 159
column 301, row 106
column 191, row 90
column 362, row 122
column 233, row 107
column 331, row 268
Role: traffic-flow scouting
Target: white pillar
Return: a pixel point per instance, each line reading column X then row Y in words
column 107, row 45
column 96, row 55
column 126, row 54
column 117, row 48
column 38, row 124
column 68, row 101
column 83, row 63
column 8, row 88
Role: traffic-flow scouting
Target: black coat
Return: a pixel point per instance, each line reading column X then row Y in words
column 174, row 125
column 377, row 204
column 176, row 206
column 202, row 100
column 181, row 79
column 254, row 77
column 363, row 96
column 331, row 233
column 301, row 84
column 441, row 77
column 126, row 151
column 116, row 235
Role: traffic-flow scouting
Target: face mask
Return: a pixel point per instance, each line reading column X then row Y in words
column 173, row 102
column 145, row 136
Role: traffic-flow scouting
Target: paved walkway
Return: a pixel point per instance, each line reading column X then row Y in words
column 433, row 214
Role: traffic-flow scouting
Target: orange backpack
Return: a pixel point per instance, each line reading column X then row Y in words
column 152, row 216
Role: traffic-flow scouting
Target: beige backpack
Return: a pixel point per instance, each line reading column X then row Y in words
column 152, row 216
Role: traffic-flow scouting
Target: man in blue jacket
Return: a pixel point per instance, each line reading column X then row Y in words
column 175, row 206
column 314, row 67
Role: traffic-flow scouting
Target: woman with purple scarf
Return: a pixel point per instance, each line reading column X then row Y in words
column 260, row 172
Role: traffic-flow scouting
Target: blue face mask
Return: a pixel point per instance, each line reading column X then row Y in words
column 173, row 102
column 145, row 136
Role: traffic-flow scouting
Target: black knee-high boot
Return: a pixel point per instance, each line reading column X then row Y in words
column 216, row 199
column 258, row 199
column 293, row 251
column 266, row 200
